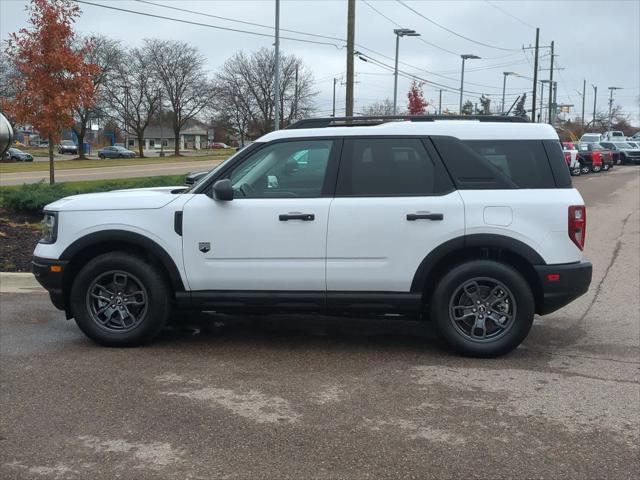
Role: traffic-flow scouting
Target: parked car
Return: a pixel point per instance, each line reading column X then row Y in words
column 614, row 136
column 18, row 155
column 44, row 144
column 67, row 146
column 636, row 137
column 473, row 225
column 115, row 152
column 628, row 154
column 219, row 145
column 590, row 157
column 591, row 138
column 635, row 145
column 571, row 156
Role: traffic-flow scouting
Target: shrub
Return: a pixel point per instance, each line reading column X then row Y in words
column 33, row 197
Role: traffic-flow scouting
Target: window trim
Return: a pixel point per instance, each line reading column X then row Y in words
column 442, row 175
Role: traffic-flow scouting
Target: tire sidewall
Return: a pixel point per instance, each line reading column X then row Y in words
column 452, row 280
column 158, row 301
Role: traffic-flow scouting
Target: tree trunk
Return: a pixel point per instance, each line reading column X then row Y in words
column 141, row 144
column 81, row 134
column 176, row 146
column 52, row 174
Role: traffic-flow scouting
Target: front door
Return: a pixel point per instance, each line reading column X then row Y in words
column 272, row 235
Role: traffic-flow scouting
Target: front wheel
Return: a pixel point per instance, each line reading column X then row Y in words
column 119, row 300
column 483, row 308
column 575, row 171
column 585, row 169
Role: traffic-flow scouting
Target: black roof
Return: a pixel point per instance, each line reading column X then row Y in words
column 324, row 122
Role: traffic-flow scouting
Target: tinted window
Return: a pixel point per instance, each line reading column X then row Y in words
column 283, row 170
column 524, row 162
column 386, row 166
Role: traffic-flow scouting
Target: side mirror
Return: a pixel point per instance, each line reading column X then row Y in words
column 222, row 190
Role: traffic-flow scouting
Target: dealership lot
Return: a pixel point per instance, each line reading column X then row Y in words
column 307, row 397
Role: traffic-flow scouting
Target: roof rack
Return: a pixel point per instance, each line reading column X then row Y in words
column 324, row 122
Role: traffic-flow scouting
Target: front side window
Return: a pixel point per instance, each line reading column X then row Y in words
column 283, row 170
column 385, row 167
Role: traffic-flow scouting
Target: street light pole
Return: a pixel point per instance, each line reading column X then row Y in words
column 464, row 58
column 595, row 99
column 276, row 96
column 400, row 32
column 504, row 87
column 611, row 89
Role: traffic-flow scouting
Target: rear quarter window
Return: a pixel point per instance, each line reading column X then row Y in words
column 499, row 164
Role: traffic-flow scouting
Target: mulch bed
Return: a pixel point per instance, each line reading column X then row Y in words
column 19, row 234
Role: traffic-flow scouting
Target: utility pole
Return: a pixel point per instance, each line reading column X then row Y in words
column 440, row 103
column 126, row 117
column 611, row 89
column 535, row 79
column 161, row 122
column 351, row 27
column 553, row 98
column 541, row 114
column 584, row 87
column 595, row 98
column 334, row 96
column 276, row 97
column 295, row 95
column 551, row 112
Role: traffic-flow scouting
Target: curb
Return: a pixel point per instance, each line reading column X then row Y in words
column 14, row 282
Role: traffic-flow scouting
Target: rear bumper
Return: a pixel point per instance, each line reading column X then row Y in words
column 51, row 280
column 561, row 284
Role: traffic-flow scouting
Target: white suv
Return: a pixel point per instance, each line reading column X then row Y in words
column 471, row 224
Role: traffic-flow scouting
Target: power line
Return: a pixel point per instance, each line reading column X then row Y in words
column 510, row 14
column 455, row 33
column 401, row 26
column 241, row 21
column 190, row 22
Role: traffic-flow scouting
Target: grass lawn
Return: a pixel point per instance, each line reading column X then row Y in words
column 113, row 162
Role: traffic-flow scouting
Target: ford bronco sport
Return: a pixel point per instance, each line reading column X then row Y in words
column 470, row 223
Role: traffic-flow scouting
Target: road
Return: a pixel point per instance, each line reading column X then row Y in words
column 302, row 397
column 104, row 173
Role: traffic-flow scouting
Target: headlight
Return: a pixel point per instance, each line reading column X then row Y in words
column 49, row 227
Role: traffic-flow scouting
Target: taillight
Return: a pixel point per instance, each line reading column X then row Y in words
column 596, row 158
column 567, row 157
column 578, row 225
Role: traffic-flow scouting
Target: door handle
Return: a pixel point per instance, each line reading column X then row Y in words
column 424, row 216
column 305, row 217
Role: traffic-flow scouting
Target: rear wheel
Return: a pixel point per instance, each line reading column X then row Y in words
column 596, row 168
column 584, row 169
column 483, row 308
column 575, row 171
column 119, row 300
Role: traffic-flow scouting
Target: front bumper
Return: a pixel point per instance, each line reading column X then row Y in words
column 50, row 274
column 561, row 284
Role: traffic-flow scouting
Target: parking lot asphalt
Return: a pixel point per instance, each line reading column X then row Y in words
column 309, row 397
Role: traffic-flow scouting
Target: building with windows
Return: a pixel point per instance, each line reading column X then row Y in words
column 194, row 136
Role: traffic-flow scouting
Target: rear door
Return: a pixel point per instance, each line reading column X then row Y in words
column 394, row 203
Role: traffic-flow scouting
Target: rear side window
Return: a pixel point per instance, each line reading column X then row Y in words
column 499, row 164
column 388, row 167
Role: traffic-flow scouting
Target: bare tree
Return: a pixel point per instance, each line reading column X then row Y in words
column 133, row 94
column 105, row 53
column 8, row 75
column 178, row 68
column 246, row 82
column 385, row 107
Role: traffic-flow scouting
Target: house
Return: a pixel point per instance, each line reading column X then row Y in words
column 194, row 136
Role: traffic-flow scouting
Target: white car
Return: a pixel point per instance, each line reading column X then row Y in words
column 471, row 225
column 591, row 138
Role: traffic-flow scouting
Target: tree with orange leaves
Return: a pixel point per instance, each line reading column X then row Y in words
column 52, row 76
column 417, row 104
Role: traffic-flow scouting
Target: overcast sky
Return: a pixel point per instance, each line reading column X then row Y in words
column 595, row 40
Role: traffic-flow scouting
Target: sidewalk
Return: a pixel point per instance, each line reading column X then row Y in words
column 19, row 283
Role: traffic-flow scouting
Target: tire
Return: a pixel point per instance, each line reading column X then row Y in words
column 101, row 157
column 144, row 304
column 596, row 168
column 585, row 170
column 575, row 171
column 461, row 334
column 606, row 168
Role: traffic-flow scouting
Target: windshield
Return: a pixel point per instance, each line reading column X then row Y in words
column 623, row 145
column 67, row 142
column 590, row 138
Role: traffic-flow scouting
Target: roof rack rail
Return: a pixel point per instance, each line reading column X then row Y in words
column 324, row 122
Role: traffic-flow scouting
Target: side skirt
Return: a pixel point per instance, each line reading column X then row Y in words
column 300, row 301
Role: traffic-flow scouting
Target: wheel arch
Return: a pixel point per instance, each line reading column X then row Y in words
column 87, row 247
column 478, row 246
